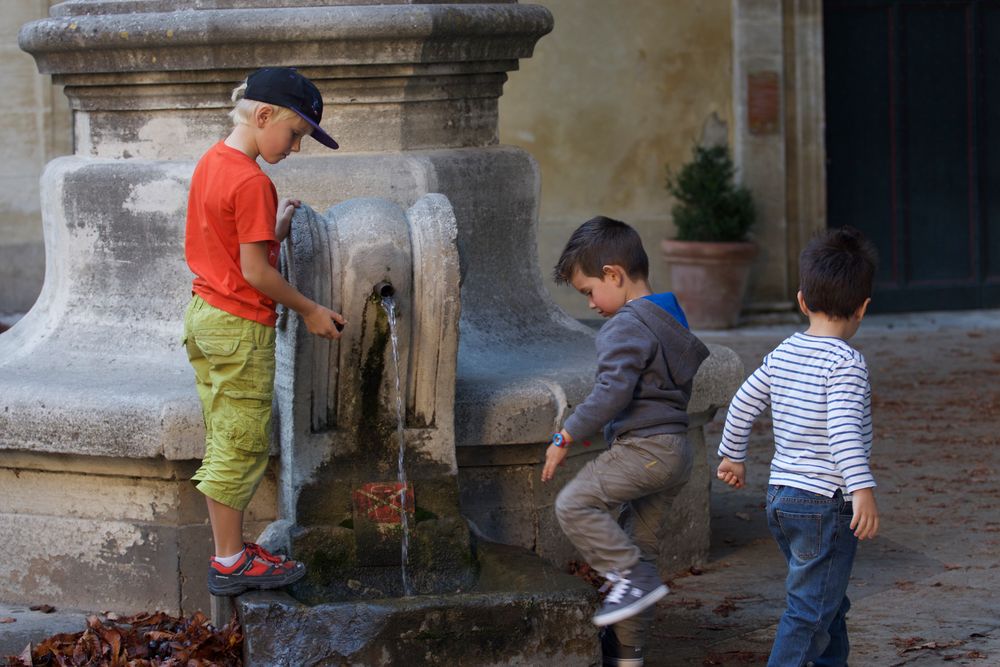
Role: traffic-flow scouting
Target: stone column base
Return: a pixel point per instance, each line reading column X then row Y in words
column 102, row 533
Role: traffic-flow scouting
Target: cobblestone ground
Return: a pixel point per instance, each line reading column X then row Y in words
column 927, row 590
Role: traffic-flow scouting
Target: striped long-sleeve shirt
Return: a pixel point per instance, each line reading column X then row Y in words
column 820, row 399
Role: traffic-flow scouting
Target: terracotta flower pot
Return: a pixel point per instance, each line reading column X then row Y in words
column 709, row 279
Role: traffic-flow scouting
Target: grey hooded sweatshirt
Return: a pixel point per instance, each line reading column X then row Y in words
column 646, row 363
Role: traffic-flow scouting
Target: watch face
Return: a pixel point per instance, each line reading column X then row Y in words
column 557, row 439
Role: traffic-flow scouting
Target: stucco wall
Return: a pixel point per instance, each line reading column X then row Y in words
column 35, row 129
column 614, row 94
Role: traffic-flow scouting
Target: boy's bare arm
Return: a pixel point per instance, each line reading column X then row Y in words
column 262, row 276
column 554, row 456
column 865, row 521
column 732, row 473
column 283, row 221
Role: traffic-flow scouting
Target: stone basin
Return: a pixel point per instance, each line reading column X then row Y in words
column 519, row 611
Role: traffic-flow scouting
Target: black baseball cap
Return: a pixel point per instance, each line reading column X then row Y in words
column 286, row 87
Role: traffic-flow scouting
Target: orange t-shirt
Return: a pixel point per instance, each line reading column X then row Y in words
column 231, row 202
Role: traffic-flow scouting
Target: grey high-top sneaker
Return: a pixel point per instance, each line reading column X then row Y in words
column 630, row 593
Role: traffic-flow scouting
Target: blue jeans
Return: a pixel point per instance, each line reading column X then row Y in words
column 814, row 534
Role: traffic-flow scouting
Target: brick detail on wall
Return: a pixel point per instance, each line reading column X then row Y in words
column 763, row 102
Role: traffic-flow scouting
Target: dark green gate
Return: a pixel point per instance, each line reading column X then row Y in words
column 913, row 144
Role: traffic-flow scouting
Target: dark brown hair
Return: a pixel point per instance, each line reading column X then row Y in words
column 599, row 242
column 836, row 272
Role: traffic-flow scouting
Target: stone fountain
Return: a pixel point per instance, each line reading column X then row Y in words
column 421, row 203
column 450, row 595
column 340, row 433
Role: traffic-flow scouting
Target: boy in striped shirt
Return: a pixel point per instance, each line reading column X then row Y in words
column 820, row 496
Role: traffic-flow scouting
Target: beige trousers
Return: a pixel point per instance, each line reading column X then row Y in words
column 613, row 511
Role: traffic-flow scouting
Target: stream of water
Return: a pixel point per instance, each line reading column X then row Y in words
column 390, row 309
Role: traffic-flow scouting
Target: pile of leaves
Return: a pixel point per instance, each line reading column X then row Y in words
column 142, row 640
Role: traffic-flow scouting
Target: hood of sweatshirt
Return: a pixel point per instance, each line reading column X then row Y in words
column 646, row 363
column 683, row 351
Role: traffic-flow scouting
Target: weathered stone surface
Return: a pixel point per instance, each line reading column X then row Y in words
column 96, row 366
column 97, row 533
column 520, row 612
column 179, row 40
column 718, row 379
column 401, row 76
column 78, row 7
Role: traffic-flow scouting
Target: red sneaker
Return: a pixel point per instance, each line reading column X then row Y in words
column 255, row 570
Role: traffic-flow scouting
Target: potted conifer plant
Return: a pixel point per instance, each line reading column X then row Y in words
column 709, row 261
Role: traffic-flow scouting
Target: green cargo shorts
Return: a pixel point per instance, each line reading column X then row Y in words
column 233, row 361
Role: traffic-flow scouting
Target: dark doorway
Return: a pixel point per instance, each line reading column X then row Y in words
column 913, row 144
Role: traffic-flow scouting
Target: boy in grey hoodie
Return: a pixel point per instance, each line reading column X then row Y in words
column 646, row 363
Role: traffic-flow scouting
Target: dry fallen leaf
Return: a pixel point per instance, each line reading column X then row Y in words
column 585, row 572
column 931, row 646
column 725, row 608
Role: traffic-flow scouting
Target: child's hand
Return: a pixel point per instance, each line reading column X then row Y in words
column 553, row 457
column 324, row 322
column 732, row 473
column 865, row 521
column 283, row 222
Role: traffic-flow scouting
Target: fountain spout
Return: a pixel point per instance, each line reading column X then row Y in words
column 369, row 488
